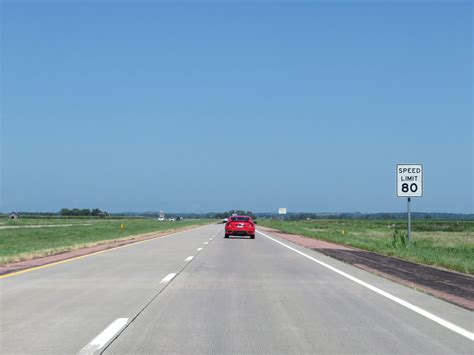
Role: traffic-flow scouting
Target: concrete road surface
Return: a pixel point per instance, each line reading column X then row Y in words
column 195, row 292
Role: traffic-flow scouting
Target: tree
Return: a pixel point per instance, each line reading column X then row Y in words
column 65, row 212
column 96, row 212
column 85, row 212
column 75, row 212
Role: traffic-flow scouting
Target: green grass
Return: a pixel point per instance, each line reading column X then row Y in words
column 43, row 221
column 27, row 220
column 27, row 243
column 445, row 244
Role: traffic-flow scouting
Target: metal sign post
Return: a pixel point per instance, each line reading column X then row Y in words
column 409, row 218
column 409, row 184
column 282, row 213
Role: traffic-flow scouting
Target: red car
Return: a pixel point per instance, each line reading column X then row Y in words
column 240, row 225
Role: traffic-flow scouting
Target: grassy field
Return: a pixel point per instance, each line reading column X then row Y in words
column 446, row 244
column 26, row 243
column 46, row 221
column 27, row 220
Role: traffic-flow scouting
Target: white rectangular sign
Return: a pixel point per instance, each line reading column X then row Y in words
column 282, row 210
column 409, row 180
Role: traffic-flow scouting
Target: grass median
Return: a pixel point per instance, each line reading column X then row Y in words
column 445, row 244
column 22, row 243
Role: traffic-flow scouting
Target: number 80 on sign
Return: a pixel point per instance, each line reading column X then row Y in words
column 409, row 180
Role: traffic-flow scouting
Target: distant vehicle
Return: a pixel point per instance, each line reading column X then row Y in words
column 225, row 220
column 161, row 219
column 179, row 218
column 171, row 219
column 240, row 225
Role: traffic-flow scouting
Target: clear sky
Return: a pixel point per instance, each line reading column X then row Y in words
column 206, row 106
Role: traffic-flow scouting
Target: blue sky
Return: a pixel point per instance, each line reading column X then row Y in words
column 205, row 106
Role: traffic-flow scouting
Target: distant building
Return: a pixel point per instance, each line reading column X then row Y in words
column 103, row 215
column 14, row 215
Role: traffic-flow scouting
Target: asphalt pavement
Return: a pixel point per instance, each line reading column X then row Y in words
column 195, row 292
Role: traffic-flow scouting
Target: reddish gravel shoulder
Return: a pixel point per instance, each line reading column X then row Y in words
column 28, row 264
column 453, row 287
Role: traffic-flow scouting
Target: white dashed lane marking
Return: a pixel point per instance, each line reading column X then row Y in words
column 168, row 278
column 103, row 338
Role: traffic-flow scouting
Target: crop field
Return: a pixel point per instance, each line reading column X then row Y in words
column 444, row 244
column 26, row 239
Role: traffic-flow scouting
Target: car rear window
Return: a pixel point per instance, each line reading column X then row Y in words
column 240, row 219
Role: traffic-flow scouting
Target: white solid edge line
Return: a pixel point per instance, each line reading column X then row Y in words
column 168, row 278
column 206, row 243
column 453, row 327
column 189, row 258
column 103, row 338
column 199, row 249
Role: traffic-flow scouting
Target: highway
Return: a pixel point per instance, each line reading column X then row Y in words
column 195, row 292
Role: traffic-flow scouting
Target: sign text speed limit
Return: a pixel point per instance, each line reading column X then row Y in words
column 409, row 180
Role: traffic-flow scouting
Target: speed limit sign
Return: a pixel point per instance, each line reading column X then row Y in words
column 409, row 184
column 409, row 180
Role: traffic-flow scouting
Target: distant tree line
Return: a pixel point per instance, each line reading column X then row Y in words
column 80, row 212
column 370, row 216
column 262, row 215
column 292, row 216
column 238, row 212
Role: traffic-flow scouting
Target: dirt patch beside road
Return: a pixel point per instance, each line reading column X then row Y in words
column 453, row 287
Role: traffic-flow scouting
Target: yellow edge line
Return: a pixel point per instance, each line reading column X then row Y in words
column 92, row 254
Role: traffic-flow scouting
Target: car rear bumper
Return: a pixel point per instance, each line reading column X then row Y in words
column 240, row 232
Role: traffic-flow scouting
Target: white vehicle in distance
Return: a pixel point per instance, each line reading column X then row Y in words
column 161, row 219
column 171, row 219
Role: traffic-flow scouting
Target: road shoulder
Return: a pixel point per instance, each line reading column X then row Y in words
column 7, row 270
column 454, row 287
